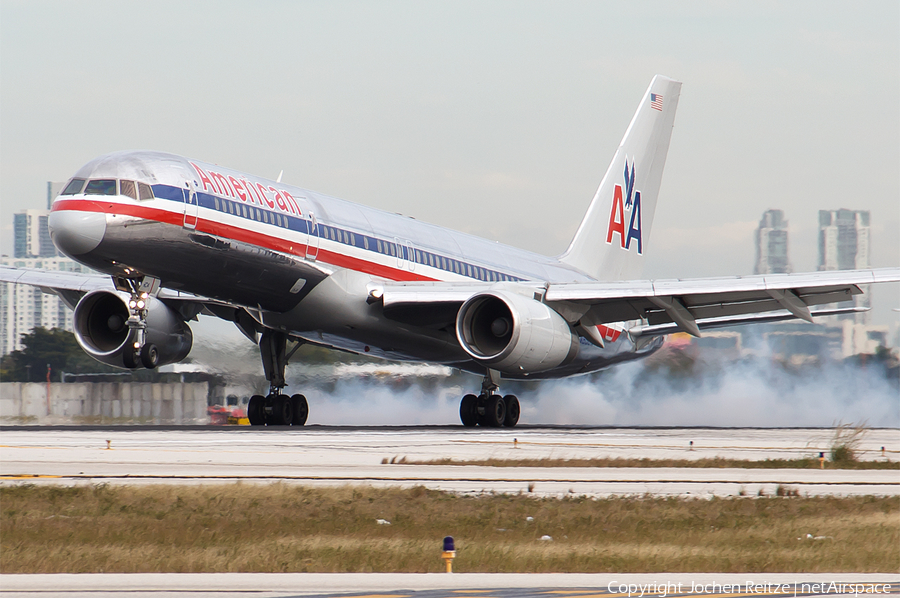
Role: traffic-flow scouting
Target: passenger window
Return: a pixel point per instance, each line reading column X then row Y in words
column 216, row 199
column 127, row 188
column 144, row 191
column 101, row 187
column 74, row 187
column 366, row 242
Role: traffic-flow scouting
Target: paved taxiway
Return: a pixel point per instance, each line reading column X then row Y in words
column 334, row 455
column 466, row 585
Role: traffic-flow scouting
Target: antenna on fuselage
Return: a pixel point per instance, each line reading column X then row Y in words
column 280, row 174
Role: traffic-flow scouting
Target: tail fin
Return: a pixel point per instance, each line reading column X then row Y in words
column 612, row 238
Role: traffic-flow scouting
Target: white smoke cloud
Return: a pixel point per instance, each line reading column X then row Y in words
column 750, row 394
column 753, row 394
column 738, row 393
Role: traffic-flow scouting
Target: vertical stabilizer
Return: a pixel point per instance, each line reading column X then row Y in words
column 613, row 237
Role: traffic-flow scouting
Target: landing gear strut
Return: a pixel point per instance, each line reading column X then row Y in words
column 139, row 352
column 489, row 409
column 276, row 408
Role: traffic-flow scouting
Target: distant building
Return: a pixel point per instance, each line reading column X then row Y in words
column 23, row 307
column 31, row 233
column 845, row 244
column 772, row 244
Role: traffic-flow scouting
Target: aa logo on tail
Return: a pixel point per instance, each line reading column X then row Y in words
column 626, row 207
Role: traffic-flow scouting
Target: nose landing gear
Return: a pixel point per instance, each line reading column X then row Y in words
column 139, row 352
column 489, row 409
column 276, row 408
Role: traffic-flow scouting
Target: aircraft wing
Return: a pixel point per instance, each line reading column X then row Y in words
column 72, row 286
column 665, row 305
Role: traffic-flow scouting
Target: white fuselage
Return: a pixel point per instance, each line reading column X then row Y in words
column 296, row 260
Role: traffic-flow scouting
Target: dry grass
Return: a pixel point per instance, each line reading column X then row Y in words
column 271, row 528
column 619, row 462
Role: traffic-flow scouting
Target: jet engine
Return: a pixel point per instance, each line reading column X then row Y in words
column 514, row 334
column 101, row 328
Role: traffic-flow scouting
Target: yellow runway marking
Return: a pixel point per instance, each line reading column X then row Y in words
column 27, row 476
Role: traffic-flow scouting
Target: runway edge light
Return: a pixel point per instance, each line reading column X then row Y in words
column 449, row 553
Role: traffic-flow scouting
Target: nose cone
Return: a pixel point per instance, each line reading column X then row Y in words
column 76, row 233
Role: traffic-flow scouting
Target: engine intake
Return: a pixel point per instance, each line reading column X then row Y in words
column 101, row 328
column 514, row 334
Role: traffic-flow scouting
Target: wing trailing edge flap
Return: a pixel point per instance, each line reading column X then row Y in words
column 729, row 321
column 691, row 305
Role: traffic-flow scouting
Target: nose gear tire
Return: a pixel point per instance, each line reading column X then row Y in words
column 149, row 356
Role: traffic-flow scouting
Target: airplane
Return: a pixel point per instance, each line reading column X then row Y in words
column 173, row 238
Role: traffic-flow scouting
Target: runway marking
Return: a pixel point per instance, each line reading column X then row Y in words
column 473, row 480
column 680, row 447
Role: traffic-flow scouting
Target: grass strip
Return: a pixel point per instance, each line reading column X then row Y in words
column 281, row 527
column 715, row 463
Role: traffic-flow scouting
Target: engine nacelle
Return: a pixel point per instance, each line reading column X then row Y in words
column 102, row 331
column 514, row 334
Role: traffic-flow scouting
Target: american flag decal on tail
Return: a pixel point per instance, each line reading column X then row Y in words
column 656, row 101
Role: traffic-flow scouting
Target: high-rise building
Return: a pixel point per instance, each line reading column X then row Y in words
column 31, row 235
column 845, row 244
column 772, row 244
column 23, row 307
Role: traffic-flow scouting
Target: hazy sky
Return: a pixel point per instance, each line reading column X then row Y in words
column 496, row 118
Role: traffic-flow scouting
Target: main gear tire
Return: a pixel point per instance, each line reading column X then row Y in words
column 282, row 411
column 494, row 411
column 513, row 410
column 300, row 408
column 468, row 411
column 255, row 410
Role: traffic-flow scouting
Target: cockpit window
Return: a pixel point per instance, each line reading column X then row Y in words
column 128, row 188
column 101, row 187
column 146, row 192
column 74, row 187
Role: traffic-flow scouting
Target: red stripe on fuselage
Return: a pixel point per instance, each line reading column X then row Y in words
column 236, row 233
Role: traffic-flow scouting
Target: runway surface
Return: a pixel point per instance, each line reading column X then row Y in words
column 322, row 455
column 434, row 585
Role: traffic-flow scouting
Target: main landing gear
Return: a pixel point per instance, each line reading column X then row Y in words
column 276, row 409
column 138, row 352
column 489, row 408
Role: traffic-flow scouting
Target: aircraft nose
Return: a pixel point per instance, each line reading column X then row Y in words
column 76, row 233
